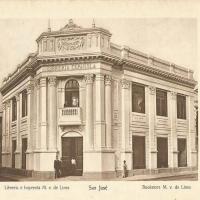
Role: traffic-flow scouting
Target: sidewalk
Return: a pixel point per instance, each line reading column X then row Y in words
column 159, row 176
column 149, row 177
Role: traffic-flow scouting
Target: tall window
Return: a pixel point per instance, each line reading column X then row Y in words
column 14, row 109
column 138, row 98
column 24, row 103
column 181, row 107
column 71, row 94
column 161, row 102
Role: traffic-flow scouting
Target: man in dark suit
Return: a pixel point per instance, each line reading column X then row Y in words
column 57, row 167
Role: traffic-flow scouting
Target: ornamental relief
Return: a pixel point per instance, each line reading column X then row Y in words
column 71, row 43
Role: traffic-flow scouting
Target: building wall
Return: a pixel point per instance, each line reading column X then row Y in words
column 44, row 140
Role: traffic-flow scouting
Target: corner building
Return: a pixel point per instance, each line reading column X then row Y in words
column 82, row 96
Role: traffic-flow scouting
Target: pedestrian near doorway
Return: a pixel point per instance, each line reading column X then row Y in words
column 57, row 167
column 73, row 165
column 124, row 175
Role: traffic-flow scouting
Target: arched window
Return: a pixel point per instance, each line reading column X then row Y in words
column 72, row 94
column 14, row 109
column 24, row 103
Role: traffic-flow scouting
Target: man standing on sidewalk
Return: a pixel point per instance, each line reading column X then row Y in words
column 124, row 175
column 57, row 167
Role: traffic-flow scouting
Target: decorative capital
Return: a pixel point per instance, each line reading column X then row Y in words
column 99, row 77
column 3, row 106
column 17, row 96
column 108, row 79
column 152, row 90
column 52, row 81
column 89, row 78
column 37, row 83
column 29, row 88
column 173, row 95
column 43, row 82
column 125, row 84
column 8, row 104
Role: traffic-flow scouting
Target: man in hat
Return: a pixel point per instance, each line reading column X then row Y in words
column 57, row 167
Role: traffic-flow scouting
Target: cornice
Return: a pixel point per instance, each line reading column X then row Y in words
column 111, row 59
column 18, row 77
column 150, row 71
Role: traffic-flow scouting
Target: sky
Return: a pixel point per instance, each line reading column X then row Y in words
column 172, row 39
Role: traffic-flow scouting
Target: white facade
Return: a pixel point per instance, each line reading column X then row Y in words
column 103, row 118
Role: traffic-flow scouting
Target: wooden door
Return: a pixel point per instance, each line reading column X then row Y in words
column 66, row 156
column 162, row 155
column 79, row 155
column 14, row 145
column 72, row 147
column 24, row 148
column 138, row 145
column 182, row 152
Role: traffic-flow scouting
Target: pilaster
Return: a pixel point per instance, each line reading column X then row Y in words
column 52, row 114
column 82, row 100
column 100, row 139
column 173, row 156
column 37, row 136
column 191, row 150
column 29, row 155
column 89, row 130
column 126, row 150
column 8, row 134
column 43, row 113
column 108, row 111
column 18, row 149
column 88, row 142
column 3, row 134
column 152, row 139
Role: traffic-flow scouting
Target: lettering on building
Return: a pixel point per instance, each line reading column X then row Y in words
column 82, row 66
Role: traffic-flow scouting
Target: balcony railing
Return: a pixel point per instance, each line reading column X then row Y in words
column 70, row 116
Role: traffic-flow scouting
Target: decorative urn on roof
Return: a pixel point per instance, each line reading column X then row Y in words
column 70, row 26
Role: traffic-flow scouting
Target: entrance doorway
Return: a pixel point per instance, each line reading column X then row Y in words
column 138, row 145
column 162, row 155
column 72, row 147
column 14, row 145
column 182, row 152
column 24, row 148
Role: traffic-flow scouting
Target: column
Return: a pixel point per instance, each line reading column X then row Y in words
column 100, row 112
column 82, row 99
column 8, row 135
column 108, row 111
column 43, row 113
column 6, row 129
column 29, row 155
column 173, row 157
column 3, row 134
column 52, row 114
column 18, row 149
column 36, row 163
column 191, row 136
column 152, row 136
column 89, row 112
column 37, row 136
column 29, row 116
column 126, row 150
